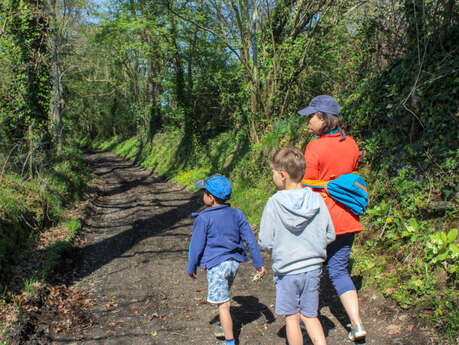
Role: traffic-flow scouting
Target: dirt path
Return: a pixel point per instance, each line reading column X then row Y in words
column 133, row 251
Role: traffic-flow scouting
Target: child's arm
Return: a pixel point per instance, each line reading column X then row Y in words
column 331, row 236
column 249, row 238
column 197, row 246
column 266, row 234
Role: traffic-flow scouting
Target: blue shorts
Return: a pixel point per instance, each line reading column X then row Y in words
column 298, row 293
column 219, row 279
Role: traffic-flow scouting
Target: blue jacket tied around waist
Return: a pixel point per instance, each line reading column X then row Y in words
column 348, row 189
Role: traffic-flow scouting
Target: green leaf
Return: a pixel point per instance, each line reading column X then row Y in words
column 442, row 256
column 452, row 235
column 442, row 236
column 405, row 233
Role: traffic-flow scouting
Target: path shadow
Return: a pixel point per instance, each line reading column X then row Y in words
column 101, row 253
column 329, row 298
column 326, row 323
column 79, row 262
column 249, row 310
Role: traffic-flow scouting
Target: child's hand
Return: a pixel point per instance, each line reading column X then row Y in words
column 260, row 274
column 262, row 271
column 192, row 275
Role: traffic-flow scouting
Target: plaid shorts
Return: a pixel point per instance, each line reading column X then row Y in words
column 219, row 279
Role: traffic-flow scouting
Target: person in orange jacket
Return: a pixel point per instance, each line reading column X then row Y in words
column 330, row 155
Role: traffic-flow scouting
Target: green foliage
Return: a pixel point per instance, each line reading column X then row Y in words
column 407, row 246
column 25, row 88
column 442, row 250
column 72, row 226
column 408, row 112
column 405, row 119
column 25, row 208
column 69, row 176
column 28, row 207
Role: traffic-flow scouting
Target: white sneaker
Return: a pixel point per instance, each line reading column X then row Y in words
column 218, row 332
column 357, row 333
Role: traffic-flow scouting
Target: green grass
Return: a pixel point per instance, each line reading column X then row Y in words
column 73, row 227
column 31, row 287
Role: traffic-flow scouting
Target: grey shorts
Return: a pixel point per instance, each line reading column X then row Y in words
column 219, row 279
column 298, row 293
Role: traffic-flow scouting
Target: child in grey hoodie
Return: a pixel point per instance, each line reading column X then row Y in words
column 296, row 228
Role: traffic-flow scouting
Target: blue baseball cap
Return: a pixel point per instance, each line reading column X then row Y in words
column 217, row 185
column 323, row 103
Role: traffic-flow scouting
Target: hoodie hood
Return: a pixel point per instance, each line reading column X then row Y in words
column 296, row 208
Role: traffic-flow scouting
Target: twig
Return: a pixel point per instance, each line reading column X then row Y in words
column 6, row 161
column 229, row 46
column 406, row 257
column 25, row 220
column 439, row 77
column 430, row 191
column 420, row 63
column 384, row 227
column 25, row 163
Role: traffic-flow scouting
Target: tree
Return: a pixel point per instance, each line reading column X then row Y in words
column 65, row 16
column 25, row 104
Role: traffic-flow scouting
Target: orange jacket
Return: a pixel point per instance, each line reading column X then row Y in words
column 327, row 158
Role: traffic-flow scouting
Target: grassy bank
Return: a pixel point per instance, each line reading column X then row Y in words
column 409, row 248
column 35, row 230
column 30, row 206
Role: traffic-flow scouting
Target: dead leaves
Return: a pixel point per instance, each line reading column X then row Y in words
column 157, row 316
column 70, row 308
column 111, row 304
column 394, row 329
column 186, row 312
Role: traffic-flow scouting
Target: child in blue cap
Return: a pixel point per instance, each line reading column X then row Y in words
column 216, row 246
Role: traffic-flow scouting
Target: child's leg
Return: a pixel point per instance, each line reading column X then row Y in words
column 226, row 320
column 309, row 301
column 314, row 329
column 292, row 325
column 220, row 279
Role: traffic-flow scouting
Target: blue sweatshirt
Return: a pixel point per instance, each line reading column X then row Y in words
column 217, row 236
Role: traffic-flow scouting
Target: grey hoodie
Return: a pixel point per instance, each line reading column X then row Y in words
column 296, row 228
